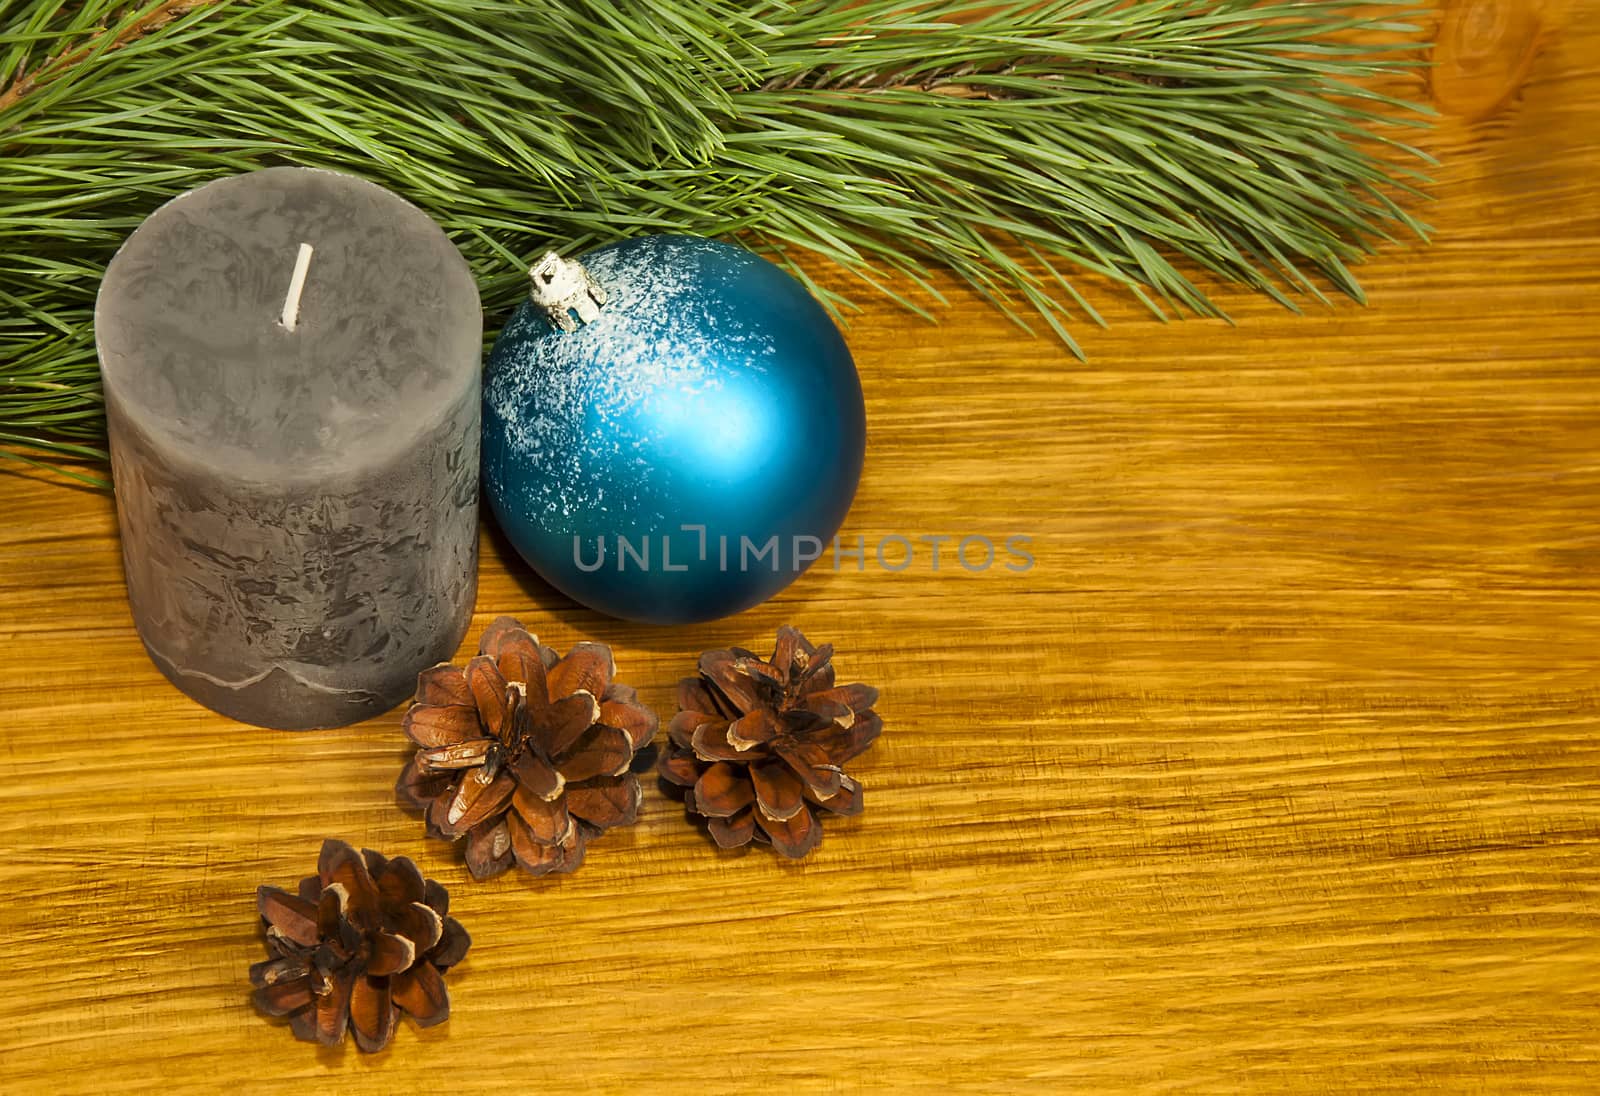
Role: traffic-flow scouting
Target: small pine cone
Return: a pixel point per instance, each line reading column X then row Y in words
column 526, row 755
column 364, row 939
column 759, row 747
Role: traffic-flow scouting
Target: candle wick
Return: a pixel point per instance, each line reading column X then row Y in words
column 297, row 285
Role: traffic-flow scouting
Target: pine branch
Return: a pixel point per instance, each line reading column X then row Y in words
column 103, row 40
column 1016, row 143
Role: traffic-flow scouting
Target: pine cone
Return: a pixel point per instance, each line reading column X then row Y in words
column 526, row 755
column 363, row 938
column 758, row 747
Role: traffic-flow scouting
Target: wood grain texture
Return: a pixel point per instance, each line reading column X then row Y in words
column 1278, row 772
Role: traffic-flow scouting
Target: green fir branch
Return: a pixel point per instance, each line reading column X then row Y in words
column 1018, row 145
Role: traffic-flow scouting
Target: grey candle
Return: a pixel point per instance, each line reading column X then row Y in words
column 291, row 367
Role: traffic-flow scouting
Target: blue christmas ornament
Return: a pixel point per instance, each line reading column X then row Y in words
column 673, row 428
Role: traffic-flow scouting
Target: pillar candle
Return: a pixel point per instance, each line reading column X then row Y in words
column 291, row 365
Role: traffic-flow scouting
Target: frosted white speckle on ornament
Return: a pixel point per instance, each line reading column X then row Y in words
column 655, row 335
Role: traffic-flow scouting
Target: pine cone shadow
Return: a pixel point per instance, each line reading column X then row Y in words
column 330, row 1056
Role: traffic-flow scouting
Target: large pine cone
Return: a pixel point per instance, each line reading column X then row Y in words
column 759, row 746
column 525, row 754
column 365, row 938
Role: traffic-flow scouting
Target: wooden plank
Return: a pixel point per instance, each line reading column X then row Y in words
column 1277, row 771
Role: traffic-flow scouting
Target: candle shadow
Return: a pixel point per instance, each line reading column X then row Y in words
column 59, row 472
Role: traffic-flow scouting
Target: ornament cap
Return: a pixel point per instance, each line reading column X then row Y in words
column 564, row 292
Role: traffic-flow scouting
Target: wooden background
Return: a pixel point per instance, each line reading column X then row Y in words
column 1279, row 772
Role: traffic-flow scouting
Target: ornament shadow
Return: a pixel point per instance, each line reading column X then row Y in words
column 543, row 596
column 541, row 600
